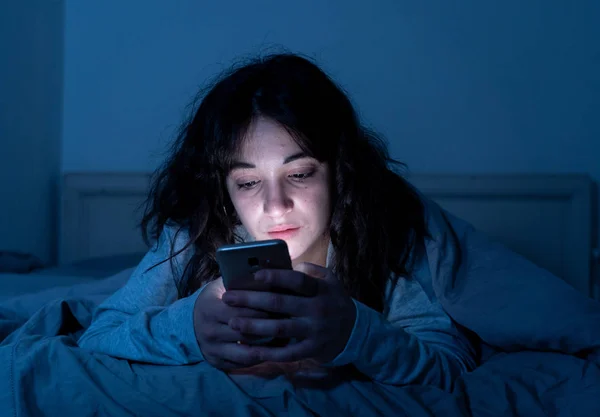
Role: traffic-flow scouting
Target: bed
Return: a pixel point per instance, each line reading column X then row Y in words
column 548, row 219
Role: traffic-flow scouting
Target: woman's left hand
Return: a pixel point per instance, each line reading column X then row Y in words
column 320, row 315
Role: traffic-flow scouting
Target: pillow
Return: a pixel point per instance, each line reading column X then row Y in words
column 508, row 301
column 19, row 262
column 98, row 267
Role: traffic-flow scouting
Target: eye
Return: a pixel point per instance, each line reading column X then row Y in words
column 302, row 175
column 247, row 185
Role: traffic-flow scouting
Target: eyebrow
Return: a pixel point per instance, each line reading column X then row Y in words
column 287, row 160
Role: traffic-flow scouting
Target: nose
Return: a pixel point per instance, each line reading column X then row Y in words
column 277, row 203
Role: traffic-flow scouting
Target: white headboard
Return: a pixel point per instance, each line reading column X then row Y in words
column 100, row 215
column 547, row 218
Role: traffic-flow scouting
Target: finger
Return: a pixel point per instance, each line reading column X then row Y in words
column 244, row 355
column 223, row 333
column 290, row 353
column 226, row 312
column 272, row 302
column 287, row 328
column 295, row 281
column 226, row 365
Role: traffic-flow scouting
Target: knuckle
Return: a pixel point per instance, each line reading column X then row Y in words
column 280, row 329
column 269, row 276
column 244, row 326
column 275, row 302
column 210, row 333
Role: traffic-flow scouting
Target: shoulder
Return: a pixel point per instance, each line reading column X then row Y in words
column 173, row 238
column 173, row 244
column 413, row 304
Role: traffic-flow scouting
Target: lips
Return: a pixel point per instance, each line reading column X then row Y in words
column 282, row 228
column 283, row 231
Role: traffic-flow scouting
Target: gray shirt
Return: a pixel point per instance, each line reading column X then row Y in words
column 412, row 342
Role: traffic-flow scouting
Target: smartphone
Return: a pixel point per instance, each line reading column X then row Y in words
column 238, row 262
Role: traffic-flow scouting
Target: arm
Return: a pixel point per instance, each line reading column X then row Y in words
column 145, row 321
column 415, row 342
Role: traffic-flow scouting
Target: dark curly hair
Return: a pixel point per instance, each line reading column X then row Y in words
column 376, row 219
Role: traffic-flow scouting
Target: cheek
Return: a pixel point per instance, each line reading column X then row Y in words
column 318, row 206
column 246, row 208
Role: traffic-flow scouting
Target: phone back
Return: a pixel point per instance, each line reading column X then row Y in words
column 239, row 261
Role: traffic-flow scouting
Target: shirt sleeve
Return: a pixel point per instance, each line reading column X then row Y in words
column 413, row 342
column 145, row 321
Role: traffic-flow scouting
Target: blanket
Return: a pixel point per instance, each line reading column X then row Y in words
column 539, row 338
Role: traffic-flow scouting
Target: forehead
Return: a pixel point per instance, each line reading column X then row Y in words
column 265, row 137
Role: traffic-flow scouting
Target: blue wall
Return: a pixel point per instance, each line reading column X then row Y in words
column 31, row 69
column 507, row 86
column 476, row 87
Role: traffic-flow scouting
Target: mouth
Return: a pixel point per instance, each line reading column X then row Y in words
column 283, row 232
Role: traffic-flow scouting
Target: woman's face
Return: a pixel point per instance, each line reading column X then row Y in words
column 280, row 193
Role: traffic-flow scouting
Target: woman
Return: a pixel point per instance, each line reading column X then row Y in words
column 275, row 150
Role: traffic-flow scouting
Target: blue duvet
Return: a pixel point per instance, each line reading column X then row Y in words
column 539, row 343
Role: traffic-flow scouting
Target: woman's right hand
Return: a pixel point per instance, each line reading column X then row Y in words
column 221, row 346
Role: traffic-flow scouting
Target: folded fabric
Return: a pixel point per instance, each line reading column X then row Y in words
column 505, row 299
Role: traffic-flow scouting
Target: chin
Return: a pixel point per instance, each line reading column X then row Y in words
column 295, row 253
